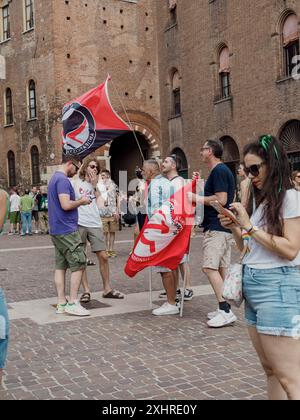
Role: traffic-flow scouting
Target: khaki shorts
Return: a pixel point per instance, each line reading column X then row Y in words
column 94, row 236
column 110, row 225
column 216, row 249
column 69, row 252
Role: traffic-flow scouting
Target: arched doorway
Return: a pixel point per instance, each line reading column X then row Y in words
column 125, row 155
column 290, row 137
column 231, row 155
column 183, row 169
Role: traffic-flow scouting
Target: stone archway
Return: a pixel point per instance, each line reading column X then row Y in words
column 125, row 155
column 231, row 155
column 290, row 137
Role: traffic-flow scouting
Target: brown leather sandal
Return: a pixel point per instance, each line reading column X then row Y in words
column 85, row 298
column 113, row 294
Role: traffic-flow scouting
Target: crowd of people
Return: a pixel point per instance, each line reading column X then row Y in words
column 83, row 206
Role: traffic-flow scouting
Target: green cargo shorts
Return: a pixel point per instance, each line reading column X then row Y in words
column 69, row 252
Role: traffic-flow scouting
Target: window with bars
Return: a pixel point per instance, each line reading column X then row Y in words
column 290, row 51
column 9, row 118
column 225, row 85
column 5, row 23
column 35, row 165
column 32, row 100
column 11, row 164
column 29, row 14
column 177, row 103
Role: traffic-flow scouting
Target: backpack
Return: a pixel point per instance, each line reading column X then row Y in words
column 44, row 203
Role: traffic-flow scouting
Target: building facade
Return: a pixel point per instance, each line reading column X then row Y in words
column 227, row 71
column 52, row 52
column 184, row 71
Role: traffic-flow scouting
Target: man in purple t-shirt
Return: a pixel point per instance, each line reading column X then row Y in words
column 63, row 222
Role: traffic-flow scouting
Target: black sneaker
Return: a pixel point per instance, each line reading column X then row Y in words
column 188, row 294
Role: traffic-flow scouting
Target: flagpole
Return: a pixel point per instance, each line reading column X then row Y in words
column 128, row 120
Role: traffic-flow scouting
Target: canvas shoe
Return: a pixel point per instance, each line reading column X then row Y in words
column 222, row 319
column 166, row 309
column 76, row 309
column 60, row 308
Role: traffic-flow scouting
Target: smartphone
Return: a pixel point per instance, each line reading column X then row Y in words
column 220, row 209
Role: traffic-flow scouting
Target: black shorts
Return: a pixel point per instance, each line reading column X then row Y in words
column 35, row 215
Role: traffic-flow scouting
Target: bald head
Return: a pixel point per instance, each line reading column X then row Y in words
column 151, row 169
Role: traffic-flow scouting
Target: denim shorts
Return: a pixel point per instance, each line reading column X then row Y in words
column 272, row 300
column 4, row 329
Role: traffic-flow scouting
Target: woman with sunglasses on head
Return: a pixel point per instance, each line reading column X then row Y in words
column 271, row 279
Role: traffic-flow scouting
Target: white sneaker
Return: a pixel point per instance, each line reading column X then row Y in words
column 166, row 309
column 76, row 309
column 211, row 315
column 60, row 308
column 222, row 319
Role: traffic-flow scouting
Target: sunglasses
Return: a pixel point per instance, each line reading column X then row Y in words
column 93, row 166
column 253, row 169
column 204, row 148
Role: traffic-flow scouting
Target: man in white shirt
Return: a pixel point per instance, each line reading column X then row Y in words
column 90, row 226
column 14, row 215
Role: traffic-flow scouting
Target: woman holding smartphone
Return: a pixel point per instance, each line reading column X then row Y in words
column 271, row 279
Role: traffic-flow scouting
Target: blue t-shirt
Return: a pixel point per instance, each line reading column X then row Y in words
column 158, row 192
column 61, row 222
column 219, row 180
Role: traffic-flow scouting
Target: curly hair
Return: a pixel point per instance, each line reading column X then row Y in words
column 83, row 169
column 277, row 183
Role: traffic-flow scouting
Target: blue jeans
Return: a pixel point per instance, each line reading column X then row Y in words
column 26, row 222
column 4, row 329
column 272, row 300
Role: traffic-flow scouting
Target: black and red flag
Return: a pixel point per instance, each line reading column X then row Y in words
column 90, row 121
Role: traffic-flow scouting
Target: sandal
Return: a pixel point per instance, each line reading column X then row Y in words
column 85, row 298
column 113, row 294
column 89, row 262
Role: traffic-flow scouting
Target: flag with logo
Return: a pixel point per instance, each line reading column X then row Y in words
column 90, row 121
column 165, row 238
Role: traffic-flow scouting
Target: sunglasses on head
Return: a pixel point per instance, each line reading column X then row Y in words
column 253, row 169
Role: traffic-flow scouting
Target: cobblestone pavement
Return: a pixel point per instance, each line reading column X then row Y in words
column 130, row 355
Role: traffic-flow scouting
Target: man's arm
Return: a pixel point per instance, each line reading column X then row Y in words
column 68, row 204
column 221, row 197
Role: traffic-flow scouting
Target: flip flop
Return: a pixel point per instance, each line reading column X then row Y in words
column 85, row 297
column 113, row 294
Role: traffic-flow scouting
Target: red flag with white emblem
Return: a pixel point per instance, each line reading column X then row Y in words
column 89, row 122
column 165, row 238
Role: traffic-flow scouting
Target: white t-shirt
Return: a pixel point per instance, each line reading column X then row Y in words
column 14, row 202
column 260, row 257
column 88, row 216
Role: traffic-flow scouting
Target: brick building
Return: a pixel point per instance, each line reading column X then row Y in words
column 185, row 70
column 225, row 69
column 52, row 52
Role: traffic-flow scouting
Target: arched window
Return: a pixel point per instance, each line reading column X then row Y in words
column 35, row 165
column 290, row 137
column 11, row 164
column 176, row 94
column 290, row 36
column 32, row 100
column 182, row 164
column 231, row 154
column 9, row 118
column 224, row 72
